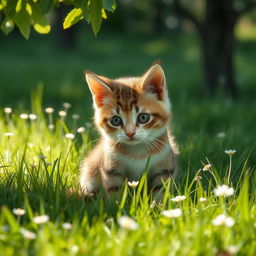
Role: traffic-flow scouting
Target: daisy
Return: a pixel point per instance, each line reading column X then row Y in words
column 223, row 220
column 172, row 213
column 18, row 211
column 133, row 184
column 230, row 152
column 126, row 222
column 223, row 190
column 42, row 219
column 178, row 198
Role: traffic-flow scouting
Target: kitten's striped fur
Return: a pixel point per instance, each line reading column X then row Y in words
column 123, row 150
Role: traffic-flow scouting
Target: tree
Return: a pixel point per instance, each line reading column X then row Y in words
column 216, row 32
column 27, row 13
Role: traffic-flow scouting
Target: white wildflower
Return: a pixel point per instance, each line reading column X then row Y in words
column 24, row 116
column 233, row 249
column 178, row 198
column 49, row 110
column 51, row 126
column 67, row 226
column 32, row 116
column 172, row 213
column 81, row 129
column 27, row 234
column 18, row 211
column 7, row 110
column 48, row 148
column 126, row 222
column 198, row 178
column 133, row 184
column 70, row 136
column 8, row 134
column 223, row 190
column 42, row 219
column 74, row 249
column 223, row 220
column 31, row 145
column 207, row 167
column 88, row 124
column 62, row 113
column 66, row 105
column 75, row 116
column 202, row 199
column 230, row 152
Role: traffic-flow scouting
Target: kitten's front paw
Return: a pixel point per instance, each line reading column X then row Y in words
column 88, row 193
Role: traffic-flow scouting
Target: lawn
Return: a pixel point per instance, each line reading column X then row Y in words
column 38, row 165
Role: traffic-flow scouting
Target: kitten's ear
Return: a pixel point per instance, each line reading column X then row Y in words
column 99, row 86
column 153, row 81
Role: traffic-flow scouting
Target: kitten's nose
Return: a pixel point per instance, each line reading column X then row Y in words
column 130, row 133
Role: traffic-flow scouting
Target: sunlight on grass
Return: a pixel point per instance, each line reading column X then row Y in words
column 43, row 214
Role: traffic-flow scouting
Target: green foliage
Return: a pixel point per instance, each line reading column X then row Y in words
column 35, row 13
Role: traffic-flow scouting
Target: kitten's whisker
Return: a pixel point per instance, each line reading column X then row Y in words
column 160, row 142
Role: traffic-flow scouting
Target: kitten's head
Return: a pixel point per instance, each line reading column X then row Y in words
column 131, row 110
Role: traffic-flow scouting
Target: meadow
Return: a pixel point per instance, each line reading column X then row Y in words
column 41, row 149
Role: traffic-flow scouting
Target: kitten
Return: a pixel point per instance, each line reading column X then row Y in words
column 132, row 114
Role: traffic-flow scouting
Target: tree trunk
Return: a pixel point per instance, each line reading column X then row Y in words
column 217, row 38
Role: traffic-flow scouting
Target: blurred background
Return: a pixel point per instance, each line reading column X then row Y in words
column 207, row 49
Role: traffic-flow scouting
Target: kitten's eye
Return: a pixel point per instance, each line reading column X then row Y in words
column 143, row 118
column 116, row 121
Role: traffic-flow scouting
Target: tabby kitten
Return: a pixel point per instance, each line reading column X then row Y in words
column 132, row 114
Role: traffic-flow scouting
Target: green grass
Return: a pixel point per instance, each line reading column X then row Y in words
column 42, row 185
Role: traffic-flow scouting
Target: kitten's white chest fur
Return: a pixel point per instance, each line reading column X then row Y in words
column 135, row 167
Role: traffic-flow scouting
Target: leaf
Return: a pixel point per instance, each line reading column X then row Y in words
column 22, row 20
column 95, row 18
column 7, row 25
column 42, row 25
column 103, row 14
column 109, row 5
column 10, row 7
column 46, row 6
column 21, row 4
column 73, row 17
column 40, row 22
column 243, row 200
